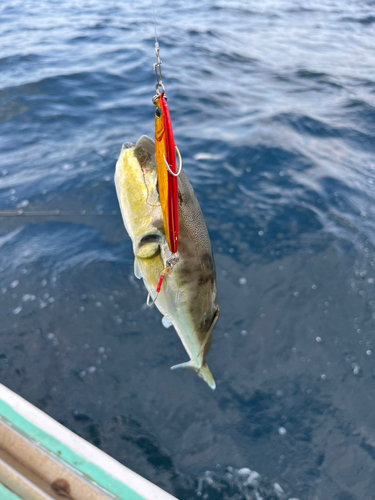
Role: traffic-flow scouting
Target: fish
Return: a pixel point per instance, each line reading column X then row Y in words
column 188, row 295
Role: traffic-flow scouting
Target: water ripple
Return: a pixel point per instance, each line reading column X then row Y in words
column 273, row 111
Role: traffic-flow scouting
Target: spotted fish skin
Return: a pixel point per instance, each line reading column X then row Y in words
column 188, row 296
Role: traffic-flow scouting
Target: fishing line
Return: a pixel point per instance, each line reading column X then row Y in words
column 156, row 34
column 53, row 213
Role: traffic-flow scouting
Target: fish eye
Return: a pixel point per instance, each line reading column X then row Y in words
column 158, row 112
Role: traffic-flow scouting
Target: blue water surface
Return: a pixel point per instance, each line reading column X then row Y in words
column 273, row 108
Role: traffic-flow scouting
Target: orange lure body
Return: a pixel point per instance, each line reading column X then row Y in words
column 165, row 152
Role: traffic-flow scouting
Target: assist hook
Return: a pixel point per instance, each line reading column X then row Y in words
column 171, row 262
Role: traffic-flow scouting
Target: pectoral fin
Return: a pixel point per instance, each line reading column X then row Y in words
column 167, row 323
column 203, row 372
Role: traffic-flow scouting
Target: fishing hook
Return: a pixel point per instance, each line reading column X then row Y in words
column 150, row 304
column 179, row 161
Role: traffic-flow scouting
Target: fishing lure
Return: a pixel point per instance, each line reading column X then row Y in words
column 165, row 154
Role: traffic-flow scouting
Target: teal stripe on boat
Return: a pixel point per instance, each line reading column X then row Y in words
column 6, row 494
column 63, row 452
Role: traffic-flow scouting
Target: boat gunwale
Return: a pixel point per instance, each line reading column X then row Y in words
column 80, row 455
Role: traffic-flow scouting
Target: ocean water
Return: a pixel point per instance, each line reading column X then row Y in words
column 273, row 107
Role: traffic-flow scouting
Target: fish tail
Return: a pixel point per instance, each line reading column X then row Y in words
column 203, row 372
